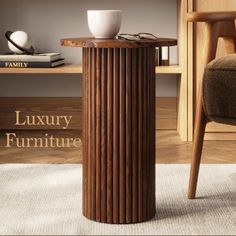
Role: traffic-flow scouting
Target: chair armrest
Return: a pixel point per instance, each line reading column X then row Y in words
column 211, row 16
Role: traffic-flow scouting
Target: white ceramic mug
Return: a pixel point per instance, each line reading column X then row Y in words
column 104, row 23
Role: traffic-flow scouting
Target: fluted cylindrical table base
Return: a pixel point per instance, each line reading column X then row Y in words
column 119, row 134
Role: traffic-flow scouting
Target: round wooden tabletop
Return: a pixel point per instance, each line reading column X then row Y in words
column 117, row 43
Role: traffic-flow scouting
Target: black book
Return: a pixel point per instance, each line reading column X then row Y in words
column 38, row 64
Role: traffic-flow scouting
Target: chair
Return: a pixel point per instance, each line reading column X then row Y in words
column 217, row 93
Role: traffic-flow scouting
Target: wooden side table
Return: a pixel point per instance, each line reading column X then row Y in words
column 118, row 128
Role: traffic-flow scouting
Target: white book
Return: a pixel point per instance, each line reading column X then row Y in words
column 43, row 57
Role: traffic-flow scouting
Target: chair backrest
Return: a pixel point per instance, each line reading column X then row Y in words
column 218, row 25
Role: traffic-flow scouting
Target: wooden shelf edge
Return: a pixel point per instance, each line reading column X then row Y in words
column 77, row 69
column 172, row 69
column 65, row 69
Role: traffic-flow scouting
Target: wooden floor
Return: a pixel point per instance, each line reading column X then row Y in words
column 169, row 149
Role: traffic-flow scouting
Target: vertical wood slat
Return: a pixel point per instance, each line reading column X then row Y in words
column 110, row 137
column 104, row 138
column 150, row 137
column 85, row 148
column 148, row 128
column 128, row 158
column 93, row 133
column 89, row 128
column 144, row 127
column 134, row 108
column 98, row 134
column 122, row 136
column 152, row 204
column 119, row 135
column 140, row 134
column 116, row 137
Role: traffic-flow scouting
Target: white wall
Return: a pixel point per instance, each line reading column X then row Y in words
column 47, row 21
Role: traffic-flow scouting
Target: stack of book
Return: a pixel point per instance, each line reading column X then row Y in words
column 45, row 60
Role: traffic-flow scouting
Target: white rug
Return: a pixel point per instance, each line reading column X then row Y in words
column 46, row 200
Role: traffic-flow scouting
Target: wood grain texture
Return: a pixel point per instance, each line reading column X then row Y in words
column 140, row 134
column 128, row 158
column 166, row 111
column 92, row 133
column 104, row 138
column 171, row 69
column 189, row 74
column 152, row 140
column 182, row 82
column 116, row 136
column 109, row 135
column 134, row 137
column 199, row 131
column 98, row 134
column 65, row 69
column 214, row 152
column 220, row 136
column 211, row 16
column 89, row 125
column 121, row 107
column 77, row 69
column 218, row 128
column 85, row 148
column 145, row 136
column 117, row 43
column 122, row 138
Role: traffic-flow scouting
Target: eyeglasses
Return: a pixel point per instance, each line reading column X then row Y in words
column 137, row 37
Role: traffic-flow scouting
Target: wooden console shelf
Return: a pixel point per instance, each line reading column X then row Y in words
column 66, row 69
column 172, row 69
column 77, row 69
column 182, row 30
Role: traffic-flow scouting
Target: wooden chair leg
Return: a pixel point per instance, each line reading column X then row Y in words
column 200, row 125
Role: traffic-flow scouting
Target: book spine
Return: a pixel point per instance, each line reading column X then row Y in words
column 25, row 59
column 164, row 55
column 19, row 64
